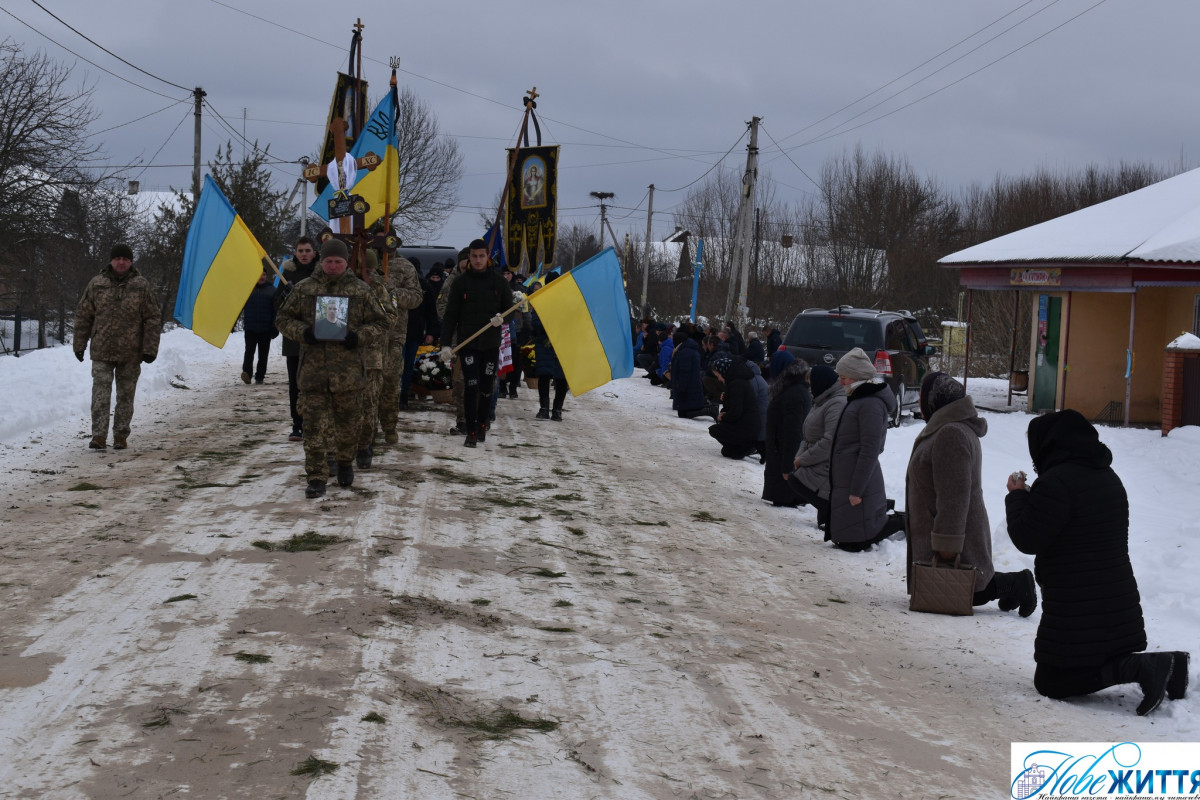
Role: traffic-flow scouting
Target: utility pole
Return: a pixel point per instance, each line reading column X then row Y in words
column 748, row 187
column 602, row 196
column 646, row 251
column 199, row 95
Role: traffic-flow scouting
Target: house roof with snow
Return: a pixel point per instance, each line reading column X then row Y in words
column 1158, row 224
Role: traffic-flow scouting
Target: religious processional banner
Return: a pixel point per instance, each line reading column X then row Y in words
column 531, row 208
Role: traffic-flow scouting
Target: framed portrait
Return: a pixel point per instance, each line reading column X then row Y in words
column 331, row 318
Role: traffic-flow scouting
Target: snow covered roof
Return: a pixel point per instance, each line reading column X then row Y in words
column 1160, row 223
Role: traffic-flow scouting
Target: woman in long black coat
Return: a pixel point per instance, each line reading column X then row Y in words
column 789, row 401
column 1075, row 521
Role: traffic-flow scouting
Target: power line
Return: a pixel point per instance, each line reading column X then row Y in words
column 911, row 71
column 714, row 166
column 835, row 132
column 789, row 157
column 936, row 71
column 139, row 119
column 105, row 49
column 164, row 144
column 84, row 58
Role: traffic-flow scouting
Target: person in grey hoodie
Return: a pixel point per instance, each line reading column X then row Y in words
column 943, row 496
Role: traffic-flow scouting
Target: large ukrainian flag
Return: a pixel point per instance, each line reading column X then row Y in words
column 381, row 186
column 221, row 263
column 586, row 315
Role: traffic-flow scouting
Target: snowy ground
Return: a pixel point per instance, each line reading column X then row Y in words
column 689, row 640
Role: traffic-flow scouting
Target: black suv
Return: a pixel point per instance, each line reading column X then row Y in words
column 895, row 338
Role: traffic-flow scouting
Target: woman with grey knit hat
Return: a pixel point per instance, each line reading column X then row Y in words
column 858, row 504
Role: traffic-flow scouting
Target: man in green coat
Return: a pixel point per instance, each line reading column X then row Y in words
column 333, row 375
column 119, row 314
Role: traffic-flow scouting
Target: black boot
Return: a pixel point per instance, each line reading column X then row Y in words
column 1177, row 685
column 315, row 489
column 1017, row 590
column 345, row 473
column 1150, row 671
column 364, row 458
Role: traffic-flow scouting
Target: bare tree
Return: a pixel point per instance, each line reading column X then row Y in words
column 430, row 169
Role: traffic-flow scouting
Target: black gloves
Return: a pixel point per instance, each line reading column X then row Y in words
column 147, row 359
column 309, row 336
column 274, row 332
column 351, row 340
column 79, row 355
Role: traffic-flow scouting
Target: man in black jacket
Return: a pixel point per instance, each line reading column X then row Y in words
column 478, row 299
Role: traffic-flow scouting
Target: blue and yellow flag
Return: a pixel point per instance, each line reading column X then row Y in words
column 586, row 315
column 221, row 263
column 381, row 186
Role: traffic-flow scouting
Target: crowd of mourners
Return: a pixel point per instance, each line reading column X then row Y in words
column 351, row 345
column 818, row 432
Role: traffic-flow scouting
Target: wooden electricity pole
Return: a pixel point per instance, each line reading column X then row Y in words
column 745, row 231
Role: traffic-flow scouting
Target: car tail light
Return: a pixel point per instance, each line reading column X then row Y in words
column 883, row 363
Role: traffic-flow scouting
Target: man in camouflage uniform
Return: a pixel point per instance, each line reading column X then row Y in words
column 457, row 383
column 332, row 373
column 295, row 269
column 404, row 294
column 119, row 314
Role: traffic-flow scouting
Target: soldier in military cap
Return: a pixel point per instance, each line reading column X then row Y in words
column 119, row 314
column 333, row 373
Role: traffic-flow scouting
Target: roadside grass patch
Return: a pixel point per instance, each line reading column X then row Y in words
column 555, row 629
column 309, row 541
column 480, row 601
column 456, row 477
column 84, row 487
column 251, row 658
column 504, row 502
column 450, row 458
column 540, row 486
column 374, row 716
column 630, row 600
column 313, row 767
column 505, row 723
column 542, row 572
column 534, row 518
column 566, row 473
column 88, row 505
column 576, row 531
column 572, row 497
column 562, row 603
column 660, row 524
column 704, row 516
column 179, row 597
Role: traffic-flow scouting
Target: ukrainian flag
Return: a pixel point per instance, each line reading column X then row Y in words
column 221, row 263
column 381, row 186
column 586, row 315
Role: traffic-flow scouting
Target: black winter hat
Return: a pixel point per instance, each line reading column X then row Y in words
column 721, row 364
column 821, row 378
column 120, row 250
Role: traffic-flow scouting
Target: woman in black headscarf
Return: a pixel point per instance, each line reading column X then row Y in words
column 788, row 403
column 1075, row 521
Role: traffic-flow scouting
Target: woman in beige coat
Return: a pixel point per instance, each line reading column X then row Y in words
column 944, row 495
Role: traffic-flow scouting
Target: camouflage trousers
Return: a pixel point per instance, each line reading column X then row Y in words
column 369, row 421
column 389, row 393
column 103, row 372
column 331, row 423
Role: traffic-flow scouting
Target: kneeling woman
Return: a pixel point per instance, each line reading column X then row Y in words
column 944, row 495
column 1074, row 520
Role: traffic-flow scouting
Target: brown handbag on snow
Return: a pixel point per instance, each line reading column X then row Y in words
column 942, row 588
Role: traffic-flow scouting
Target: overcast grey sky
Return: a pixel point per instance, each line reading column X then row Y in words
column 653, row 92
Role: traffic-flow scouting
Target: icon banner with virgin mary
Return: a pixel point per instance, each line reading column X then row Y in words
column 531, row 208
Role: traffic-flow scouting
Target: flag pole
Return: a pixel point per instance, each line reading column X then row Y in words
column 480, row 332
column 282, row 279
